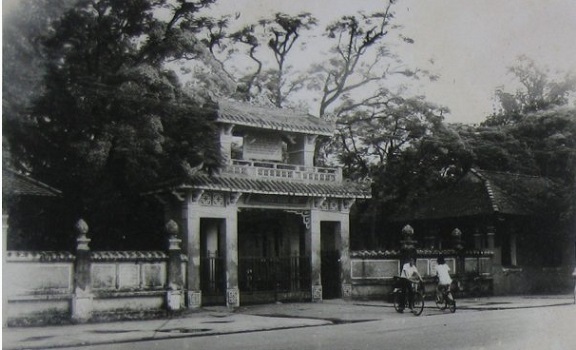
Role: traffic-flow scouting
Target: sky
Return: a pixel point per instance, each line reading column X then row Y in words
column 470, row 42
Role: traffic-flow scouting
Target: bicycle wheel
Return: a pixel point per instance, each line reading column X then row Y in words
column 451, row 304
column 398, row 302
column 418, row 304
column 440, row 303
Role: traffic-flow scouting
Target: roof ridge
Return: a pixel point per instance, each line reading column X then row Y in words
column 296, row 112
column 480, row 171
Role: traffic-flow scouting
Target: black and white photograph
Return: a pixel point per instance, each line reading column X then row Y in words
column 303, row 174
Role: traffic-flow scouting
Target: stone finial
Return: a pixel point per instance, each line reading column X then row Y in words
column 457, row 238
column 173, row 230
column 82, row 239
column 456, row 233
column 407, row 242
column 407, row 231
column 81, row 227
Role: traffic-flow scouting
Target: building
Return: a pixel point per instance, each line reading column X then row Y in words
column 19, row 190
column 271, row 225
column 510, row 216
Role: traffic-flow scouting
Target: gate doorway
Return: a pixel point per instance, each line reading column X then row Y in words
column 272, row 264
column 212, row 263
column 330, row 263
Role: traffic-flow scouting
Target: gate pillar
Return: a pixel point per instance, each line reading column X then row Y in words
column 314, row 248
column 191, row 220
column 232, row 290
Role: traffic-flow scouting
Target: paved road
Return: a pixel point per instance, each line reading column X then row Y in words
column 532, row 328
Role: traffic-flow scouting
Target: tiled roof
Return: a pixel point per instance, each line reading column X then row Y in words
column 480, row 192
column 265, row 186
column 272, row 118
column 16, row 184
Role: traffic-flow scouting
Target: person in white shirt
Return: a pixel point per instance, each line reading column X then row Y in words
column 443, row 274
column 409, row 275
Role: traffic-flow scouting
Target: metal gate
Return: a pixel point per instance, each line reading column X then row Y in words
column 212, row 276
column 280, row 274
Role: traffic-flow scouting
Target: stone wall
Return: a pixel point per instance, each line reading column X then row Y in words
column 40, row 286
column 59, row 287
column 372, row 272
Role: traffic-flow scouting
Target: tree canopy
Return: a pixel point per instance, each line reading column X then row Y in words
column 110, row 118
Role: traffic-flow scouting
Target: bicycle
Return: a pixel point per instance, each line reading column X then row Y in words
column 400, row 297
column 445, row 299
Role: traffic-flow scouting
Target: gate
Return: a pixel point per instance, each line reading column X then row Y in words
column 212, row 280
column 274, row 274
column 331, row 284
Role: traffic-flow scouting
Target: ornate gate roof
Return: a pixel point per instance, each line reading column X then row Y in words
column 344, row 189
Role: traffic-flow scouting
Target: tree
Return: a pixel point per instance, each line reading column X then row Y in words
column 278, row 34
column 112, row 119
column 23, row 59
column 537, row 92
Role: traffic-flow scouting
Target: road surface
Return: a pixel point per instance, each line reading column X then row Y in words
column 533, row 328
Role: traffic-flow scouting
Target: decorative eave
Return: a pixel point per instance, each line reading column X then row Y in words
column 101, row 256
column 272, row 118
column 39, row 256
column 271, row 187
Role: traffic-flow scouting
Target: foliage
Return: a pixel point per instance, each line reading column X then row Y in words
column 111, row 119
column 275, row 36
column 537, row 92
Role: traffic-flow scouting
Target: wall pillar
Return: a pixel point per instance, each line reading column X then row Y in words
column 407, row 244
column 83, row 297
column 313, row 247
column 4, row 252
column 232, row 289
column 175, row 293
column 478, row 238
column 459, row 248
column 345, row 271
column 192, row 247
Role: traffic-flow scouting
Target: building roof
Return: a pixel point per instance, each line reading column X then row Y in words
column 16, row 184
column 481, row 192
column 272, row 118
column 265, row 186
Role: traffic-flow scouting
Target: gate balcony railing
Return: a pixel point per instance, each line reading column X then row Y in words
column 281, row 274
column 259, row 169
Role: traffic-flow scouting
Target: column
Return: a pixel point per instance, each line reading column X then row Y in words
column 192, row 247
column 232, row 289
column 226, row 139
column 82, row 298
column 513, row 249
column 309, row 147
column 174, row 294
column 4, row 252
column 313, row 235
column 344, row 248
column 478, row 239
column 459, row 248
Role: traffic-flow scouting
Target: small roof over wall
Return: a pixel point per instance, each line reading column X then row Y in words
column 16, row 184
column 481, row 192
column 272, row 118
